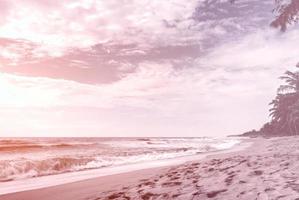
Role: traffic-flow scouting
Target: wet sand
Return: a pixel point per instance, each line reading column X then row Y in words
column 269, row 169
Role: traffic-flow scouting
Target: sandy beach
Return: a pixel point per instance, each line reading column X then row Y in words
column 149, row 100
column 268, row 169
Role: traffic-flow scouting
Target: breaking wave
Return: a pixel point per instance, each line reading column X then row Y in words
column 31, row 158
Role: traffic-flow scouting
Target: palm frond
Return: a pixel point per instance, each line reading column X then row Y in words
column 286, row 88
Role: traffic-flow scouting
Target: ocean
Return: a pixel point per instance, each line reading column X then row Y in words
column 23, row 158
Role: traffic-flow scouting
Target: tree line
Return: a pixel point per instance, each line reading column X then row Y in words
column 284, row 111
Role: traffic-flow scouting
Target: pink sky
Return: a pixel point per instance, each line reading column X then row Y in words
column 139, row 67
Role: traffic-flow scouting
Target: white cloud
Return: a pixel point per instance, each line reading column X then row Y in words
column 59, row 25
column 225, row 90
column 144, row 101
column 264, row 49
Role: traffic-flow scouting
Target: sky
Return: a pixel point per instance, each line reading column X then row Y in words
column 139, row 67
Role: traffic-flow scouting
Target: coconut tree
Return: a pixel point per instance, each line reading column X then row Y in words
column 287, row 13
column 280, row 112
column 285, row 107
column 294, row 118
column 292, row 80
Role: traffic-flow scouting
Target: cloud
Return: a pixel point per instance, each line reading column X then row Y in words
column 59, row 25
column 148, row 100
column 139, row 67
column 263, row 50
column 110, row 39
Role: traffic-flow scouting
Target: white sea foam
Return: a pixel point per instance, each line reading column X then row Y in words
column 26, row 158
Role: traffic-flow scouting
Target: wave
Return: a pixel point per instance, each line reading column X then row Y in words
column 73, row 156
column 11, row 170
column 18, row 169
column 24, row 145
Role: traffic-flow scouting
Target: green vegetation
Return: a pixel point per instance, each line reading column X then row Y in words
column 284, row 110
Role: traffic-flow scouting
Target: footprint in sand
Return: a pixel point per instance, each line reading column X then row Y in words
column 170, row 184
column 148, row 196
column 213, row 194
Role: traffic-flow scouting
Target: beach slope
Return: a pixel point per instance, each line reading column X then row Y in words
column 269, row 169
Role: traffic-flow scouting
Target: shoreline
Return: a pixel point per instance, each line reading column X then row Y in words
column 39, row 182
column 87, row 181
